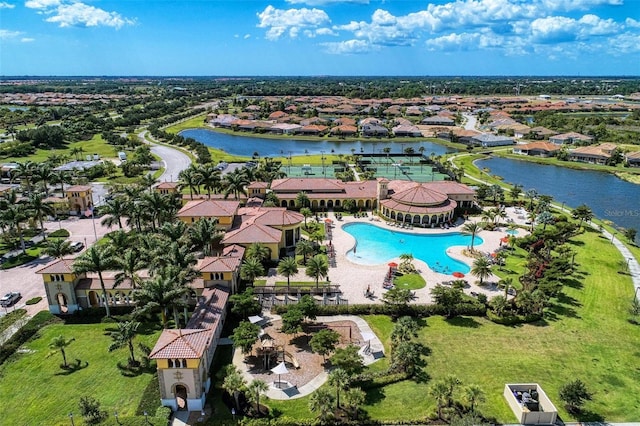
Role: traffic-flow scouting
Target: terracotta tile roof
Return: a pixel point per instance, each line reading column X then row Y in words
column 307, row 185
column 208, row 312
column 253, row 233
column 634, row 155
column 589, row 151
column 60, row 266
column 218, row 264
column 209, row 208
column 541, row 146
column 233, row 250
column 420, row 195
column 78, row 188
column 450, row 187
column 182, row 343
column 257, row 185
column 397, row 206
column 275, row 216
column 167, row 185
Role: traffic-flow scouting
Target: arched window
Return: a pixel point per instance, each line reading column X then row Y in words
column 184, row 363
column 170, row 362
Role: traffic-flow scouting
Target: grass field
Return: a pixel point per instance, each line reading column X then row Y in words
column 95, row 145
column 585, row 335
column 36, row 391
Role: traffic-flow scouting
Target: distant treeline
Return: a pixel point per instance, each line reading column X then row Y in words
column 352, row 87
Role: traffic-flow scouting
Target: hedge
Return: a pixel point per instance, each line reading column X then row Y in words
column 513, row 319
column 59, row 233
column 29, row 330
column 96, row 315
column 470, row 308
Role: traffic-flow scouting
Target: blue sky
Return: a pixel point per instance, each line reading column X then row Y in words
column 319, row 37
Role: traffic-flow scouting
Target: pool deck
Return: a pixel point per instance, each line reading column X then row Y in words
column 354, row 278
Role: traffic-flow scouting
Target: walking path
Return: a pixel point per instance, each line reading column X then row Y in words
column 377, row 351
column 632, row 262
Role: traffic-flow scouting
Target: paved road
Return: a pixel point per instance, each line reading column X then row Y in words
column 174, row 161
column 471, row 122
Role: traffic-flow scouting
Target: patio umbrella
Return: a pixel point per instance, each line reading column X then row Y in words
column 280, row 369
column 393, row 265
column 458, row 274
column 328, row 220
column 504, row 240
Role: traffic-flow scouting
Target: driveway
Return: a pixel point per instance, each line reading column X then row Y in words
column 174, row 161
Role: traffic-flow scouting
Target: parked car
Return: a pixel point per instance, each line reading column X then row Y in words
column 10, row 298
column 76, row 246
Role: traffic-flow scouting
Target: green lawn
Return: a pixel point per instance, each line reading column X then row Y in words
column 36, row 391
column 410, row 281
column 584, row 335
column 95, row 145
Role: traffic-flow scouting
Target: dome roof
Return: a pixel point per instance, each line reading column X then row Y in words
column 419, row 195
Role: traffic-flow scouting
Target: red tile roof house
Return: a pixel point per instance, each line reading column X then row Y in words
column 633, row 159
column 537, row 149
column 184, row 356
column 599, row 154
column 571, row 138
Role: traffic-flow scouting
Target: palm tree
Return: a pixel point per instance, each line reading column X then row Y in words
column 61, row 177
column 507, row 284
column 256, row 388
column 307, row 213
column 473, row 229
column 321, row 401
column 175, row 231
column 531, row 195
column 39, row 208
column 177, row 256
column 340, row 379
column 190, row 178
column 288, row 267
column 354, row 398
column 58, row 248
column 114, row 209
column 203, row 234
column 304, row 248
column 250, row 269
column 233, row 383
column 317, row 267
column 147, row 181
column 59, row 344
column 235, row 183
column 161, row 293
column 124, row 335
column 14, row 215
column 474, row 395
column 43, row 173
column 582, row 212
column 404, row 330
column 258, row 251
column 24, row 171
column 515, row 192
column 118, row 240
column 439, row 390
column 129, row 264
column 209, row 178
column 302, row 200
column 96, row 259
column 156, row 206
column 481, row 269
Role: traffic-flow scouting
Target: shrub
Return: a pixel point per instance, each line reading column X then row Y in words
column 469, row 307
column 163, row 412
column 59, row 233
column 513, row 319
column 90, row 410
column 33, row 301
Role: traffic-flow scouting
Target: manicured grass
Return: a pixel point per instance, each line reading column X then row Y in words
column 7, row 321
column 585, row 334
column 35, row 390
column 410, row 281
column 95, row 145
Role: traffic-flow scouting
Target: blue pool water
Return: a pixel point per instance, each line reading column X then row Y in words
column 375, row 245
column 512, row 232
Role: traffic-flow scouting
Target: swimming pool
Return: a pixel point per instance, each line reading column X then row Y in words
column 375, row 245
column 512, row 232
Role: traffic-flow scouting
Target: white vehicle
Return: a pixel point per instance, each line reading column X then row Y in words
column 10, row 298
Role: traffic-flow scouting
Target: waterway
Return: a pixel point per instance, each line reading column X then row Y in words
column 246, row 145
column 609, row 197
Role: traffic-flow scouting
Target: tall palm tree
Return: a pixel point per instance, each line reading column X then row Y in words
column 235, row 183
column 507, row 284
column 147, row 181
column 176, row 255
column 234, row 383
column 118, row 240
column 129, row 263
column 61, row 177
column 250, row 269
column 288, row 267
column 156, row 205
column 43, row 172
column 190, row 178
column 24, row 171
column 473, row 229
column 340, row 379
column 38, row 208
column 59, row 344
column 58, row 248
column 256, row 388
column 531, row 195
column 481, row 268
column 96, row 259
column 317, row 267
column 302, row 200
column 474, row 395
column 124, row 335
column 404, row 330
column 304, row 248
column 175, row 231
column 203, row 234
column 114, row 210
column 209, row 178
column 354, row 398
column 582, row 212
column 160, row 293
column 439, row 390
column 14, row 215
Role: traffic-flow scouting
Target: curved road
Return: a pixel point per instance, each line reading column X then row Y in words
column 173, row 159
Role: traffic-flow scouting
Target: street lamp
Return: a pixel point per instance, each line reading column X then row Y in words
column 71, row 418
column 146, row 417
column 116, row 416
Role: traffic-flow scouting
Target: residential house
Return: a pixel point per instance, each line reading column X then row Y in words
column 571, row 138
column 167, row 188
column 223, row 210
column 596, row 154
column 344, row 130
column 537, row 149
column 406, row 130
column 438, row 120
column 80, row 198
column 540, row 132
column 633, row 159
column 489, row 140
column 375, row 130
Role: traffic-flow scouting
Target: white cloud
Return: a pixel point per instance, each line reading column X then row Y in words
column 630, row 22
column 8, row 34
column 247, row 36
column 279, row 21
column 556, row 29
column 325, row 2
column 347, row 47
column 27, row 39
column 465, row 41
column 5, row 5
column 68, row 13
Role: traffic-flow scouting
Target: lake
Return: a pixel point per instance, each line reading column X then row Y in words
column 608, row 196
column 246, row 145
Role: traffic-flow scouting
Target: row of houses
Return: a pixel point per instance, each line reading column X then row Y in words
column 594, row 154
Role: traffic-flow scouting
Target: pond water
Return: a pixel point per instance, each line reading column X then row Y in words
column 608, row 196
column 375, row 245
column 246, row 145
